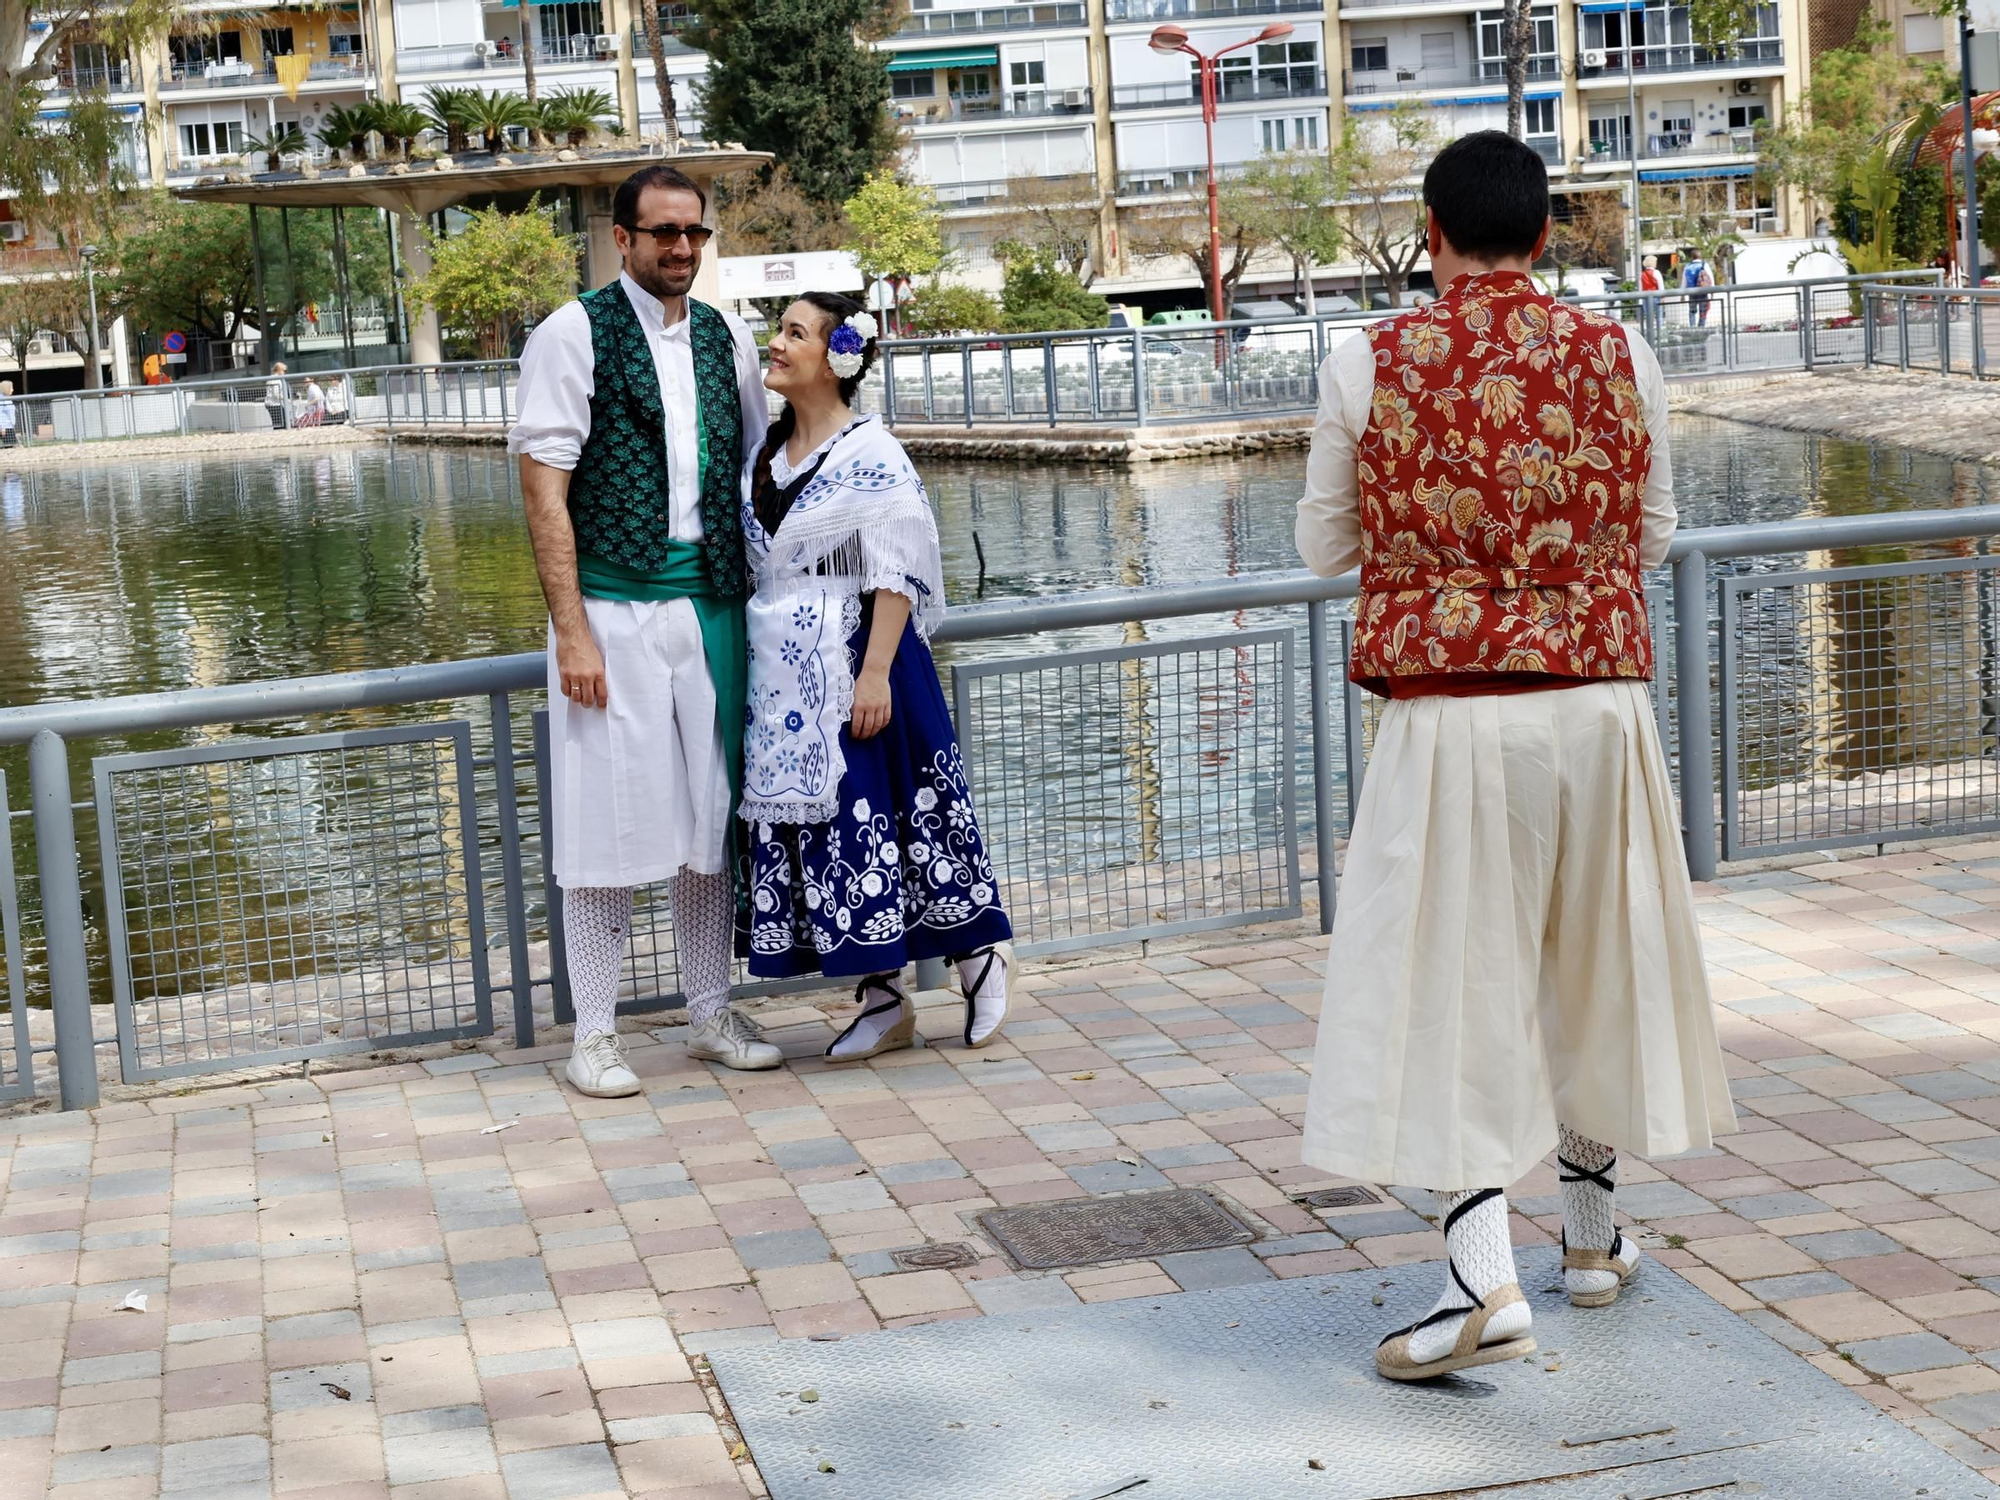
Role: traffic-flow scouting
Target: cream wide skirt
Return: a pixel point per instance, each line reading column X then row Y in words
column 640, row 787
column 1515, row 945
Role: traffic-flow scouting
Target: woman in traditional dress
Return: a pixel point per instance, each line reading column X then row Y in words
column 864, row 852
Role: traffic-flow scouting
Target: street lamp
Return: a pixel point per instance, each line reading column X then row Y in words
column 96, row 344
column 1166, row 41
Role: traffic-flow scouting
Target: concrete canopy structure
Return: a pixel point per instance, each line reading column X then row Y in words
column 415, row 190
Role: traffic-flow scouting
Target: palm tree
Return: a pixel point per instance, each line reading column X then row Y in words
column 574, row 113
column 349, row 128
column 274, row 146
column 447, row 109
column 649, row 13
column 529, row 41
column 495, row 113
column 401, row 123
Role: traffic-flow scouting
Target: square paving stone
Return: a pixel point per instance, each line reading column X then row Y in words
column 314, row 1386
column 1897, row 1108
column 1905, row 1353
column 214, row 1464
column 1792, row 1288
column 454, row 1453
column 1975, row 1413
column 1200, row 1154
column 1136, row 1114
column 1373, row 1226
column 1008, row 1294
column 1116, row 1177
column 1197, row 1270
column 1844, row 1244
column 1070, row 1135
column 823, row 1151
column 1661, row 1200
column 1948, row 1085
column 1775, row 1206
column 142, row 1460
column 559, row 1473
column 783, row 1247
column 941, row 1170
column 1937, row 1176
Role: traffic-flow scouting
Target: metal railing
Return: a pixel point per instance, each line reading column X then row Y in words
column 245, row 404
column 331, row 888
column 1270, row 366
column 1001, row 103
column 1289, row 83
column 1064, row 13
column 347, row 68
column 1412, row 80
column 1175, row 10
column 1955, row 331
column 1652, row 61
column 988, row 192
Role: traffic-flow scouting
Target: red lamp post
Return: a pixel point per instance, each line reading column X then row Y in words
column 1167, row 40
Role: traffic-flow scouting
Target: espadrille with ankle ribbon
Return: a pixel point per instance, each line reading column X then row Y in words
column 1393, row 1359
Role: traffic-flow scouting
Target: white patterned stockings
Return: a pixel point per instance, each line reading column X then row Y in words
column 597, row 924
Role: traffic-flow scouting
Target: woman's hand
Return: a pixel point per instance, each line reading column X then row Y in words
column 871, row 704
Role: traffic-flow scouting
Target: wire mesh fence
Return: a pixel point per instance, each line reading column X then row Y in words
column 1860, row 705
column 283, row 899
column 1139, row 790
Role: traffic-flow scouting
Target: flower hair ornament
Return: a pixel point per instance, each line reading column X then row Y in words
column 847, row 345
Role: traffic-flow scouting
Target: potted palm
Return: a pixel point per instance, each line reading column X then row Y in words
column 275, row 146
column 574, row 114
column 494, row 113
column 449, row 110
column 401, row 123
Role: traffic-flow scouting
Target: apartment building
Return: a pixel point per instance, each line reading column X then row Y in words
column 1065, row 93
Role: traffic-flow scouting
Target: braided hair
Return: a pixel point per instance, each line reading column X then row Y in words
column 763, row 493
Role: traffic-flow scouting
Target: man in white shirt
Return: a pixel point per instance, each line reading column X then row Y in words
column 638, row 405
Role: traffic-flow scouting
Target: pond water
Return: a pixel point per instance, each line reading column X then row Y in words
column 149, row 573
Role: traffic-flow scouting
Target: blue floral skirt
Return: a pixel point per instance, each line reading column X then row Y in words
column 900, row 873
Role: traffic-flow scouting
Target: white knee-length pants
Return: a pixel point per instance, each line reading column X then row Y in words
column 640, row 788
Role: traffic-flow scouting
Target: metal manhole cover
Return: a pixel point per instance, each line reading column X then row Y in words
column 1085, row 1231
column 935, row 1257
column 1336, row 1197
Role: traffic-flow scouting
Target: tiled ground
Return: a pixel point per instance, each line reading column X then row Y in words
column 452, row 1278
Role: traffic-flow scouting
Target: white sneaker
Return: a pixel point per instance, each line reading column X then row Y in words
column 597, row 1067
column 733, row 1040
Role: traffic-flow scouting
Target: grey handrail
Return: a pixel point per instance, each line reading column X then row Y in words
column 424, row 682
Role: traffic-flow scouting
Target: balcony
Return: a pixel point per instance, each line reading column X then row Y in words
column 1009, row 104
column 995, row 191
column 1549, row 148
column 1164, row 182
column 1415, row 7
column 1673, row 146
column 1760, row 54
column 91, row 78
column 1292, row 83
column 1202, row 10
column 1488, row 70
column 1066, row 14
column 503, row 54
column 350, row 69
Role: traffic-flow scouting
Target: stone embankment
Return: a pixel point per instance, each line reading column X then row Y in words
column 1951, row 415
column 193, row 445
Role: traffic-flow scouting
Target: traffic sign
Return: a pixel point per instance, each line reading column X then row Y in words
column 175, row 342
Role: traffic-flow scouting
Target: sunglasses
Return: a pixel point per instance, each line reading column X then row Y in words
column 664, row 235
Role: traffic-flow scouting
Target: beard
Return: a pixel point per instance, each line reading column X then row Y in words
column 666, row 279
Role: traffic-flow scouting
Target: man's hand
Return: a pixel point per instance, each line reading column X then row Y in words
column 871, row 704
column 580, row 669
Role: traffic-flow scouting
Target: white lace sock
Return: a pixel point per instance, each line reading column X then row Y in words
column 704, row 914
column 868, row 1030
column 597, row 921
column 1480, row 1248
column 1588, row 1171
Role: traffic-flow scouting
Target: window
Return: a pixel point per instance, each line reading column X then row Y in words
column 570, row 29
column 1440, row 51
column 1024, row 74
column 1610, row 134
column 913, row 85
column 276, row 40
column 971, row 83
column 1676, row 124
column 1748, row 116
column 1287, row 70
column 343, row 43
column 1538, row 117
column 1371, row 56
column 211, row 138
column 1234, row 78
column 1923, row 34
column 1299, row 133
column 1542, row 62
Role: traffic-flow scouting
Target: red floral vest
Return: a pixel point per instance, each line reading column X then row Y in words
column 1500, row 481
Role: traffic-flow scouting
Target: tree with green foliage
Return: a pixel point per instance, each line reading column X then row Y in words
column 496, row 112
column 1290, row 199
column 656, row 49
column 191, row 266
column 895, row 230
column 798, row 78
column 28, row 305
column 1383, row 220
column 401, row 123
column 941, row 307
column 500, row 273
column 576, row 114
column 1057, row 216
column 1040, row 296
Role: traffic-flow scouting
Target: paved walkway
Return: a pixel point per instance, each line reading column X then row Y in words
column 452, row 1278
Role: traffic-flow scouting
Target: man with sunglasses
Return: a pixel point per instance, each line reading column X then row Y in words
column 637, row 404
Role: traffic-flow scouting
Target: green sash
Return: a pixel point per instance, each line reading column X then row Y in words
column 724, row 638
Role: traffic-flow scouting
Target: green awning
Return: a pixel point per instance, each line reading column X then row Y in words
column 963, row 57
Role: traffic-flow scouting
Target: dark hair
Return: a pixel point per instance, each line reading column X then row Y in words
column 625, row 202
column 1490, row 193
column 838, row 310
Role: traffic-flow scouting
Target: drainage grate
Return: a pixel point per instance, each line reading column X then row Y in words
column 1136, row 1226
column 1340, row 1197
column 935, row 1257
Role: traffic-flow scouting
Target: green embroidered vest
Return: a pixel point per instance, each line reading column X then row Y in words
column 619, row 500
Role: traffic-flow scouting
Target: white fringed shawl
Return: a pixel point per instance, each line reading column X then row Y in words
column 865, row 519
